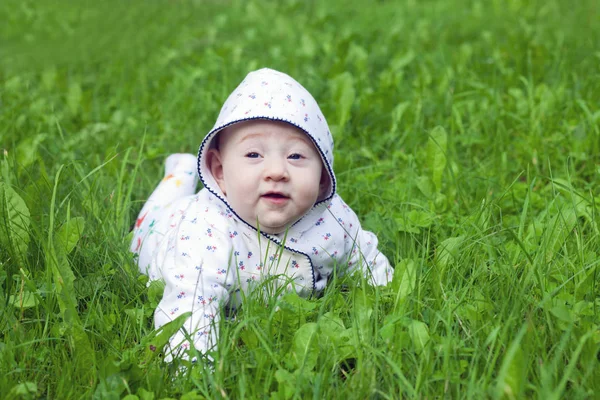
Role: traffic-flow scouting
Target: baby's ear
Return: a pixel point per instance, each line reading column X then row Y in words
column 215, row 166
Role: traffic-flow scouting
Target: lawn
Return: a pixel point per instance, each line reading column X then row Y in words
column 467, row 138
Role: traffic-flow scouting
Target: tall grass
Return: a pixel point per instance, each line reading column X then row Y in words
column 467, row 137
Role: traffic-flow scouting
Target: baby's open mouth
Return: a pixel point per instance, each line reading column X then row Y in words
column 275, row 196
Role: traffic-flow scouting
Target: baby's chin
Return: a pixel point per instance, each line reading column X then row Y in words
column 277, row 226
column 271, row 230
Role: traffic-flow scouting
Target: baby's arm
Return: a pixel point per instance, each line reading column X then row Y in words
column 361, row 247
column 198, row 279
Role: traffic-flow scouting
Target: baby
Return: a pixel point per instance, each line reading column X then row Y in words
column 268, row 208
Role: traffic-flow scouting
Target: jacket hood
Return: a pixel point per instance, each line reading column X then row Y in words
column 272, row 95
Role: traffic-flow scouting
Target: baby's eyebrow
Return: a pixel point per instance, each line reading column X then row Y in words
column 258, row 135
column 250, row 136
column 304, row 140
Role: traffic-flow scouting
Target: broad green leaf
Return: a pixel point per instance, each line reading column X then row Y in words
column 69, row 234
column 514, row 375
column 425, row 185
column 136, row 315
column 154, row 344
column 405, row 278
column 512, row 369
column 56, row 259
column 305, row 349
column 404, row 225
column 436, row 155
column 63, row 279
column 363, row 300
column 414, row 221
column 111, row 387
column 298, row 303
column 419, row 334
column 287, row 383
column 156, row 288
column 333, row 332
column 440, row 202
column 342, row 87
column 192, row 395
column 84, row 354
column 447, row 251
column 24, row 390
column 362, row 321
column 561, row 312
column 397, row 114
column 144, row 394
column 23, row 300
column 331, row 325
column 388, row 330
column 65, row 240
column 65, row 293
column 27, row 150
column 14, row 222
column 585, row 287
column 420, row 218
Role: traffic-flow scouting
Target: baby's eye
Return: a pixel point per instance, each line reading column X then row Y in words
column 295, row 156
column 253, row 155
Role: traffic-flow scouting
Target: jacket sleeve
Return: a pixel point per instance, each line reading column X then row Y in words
column 361, row 247
column 198, row 279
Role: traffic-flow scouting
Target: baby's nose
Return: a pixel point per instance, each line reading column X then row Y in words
column 276, row 170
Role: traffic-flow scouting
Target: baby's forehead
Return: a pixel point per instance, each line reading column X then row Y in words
column 259, row 129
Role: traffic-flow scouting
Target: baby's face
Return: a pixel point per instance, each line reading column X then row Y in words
column 269, row 171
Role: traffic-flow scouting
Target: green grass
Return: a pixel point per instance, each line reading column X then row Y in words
column 467, row 137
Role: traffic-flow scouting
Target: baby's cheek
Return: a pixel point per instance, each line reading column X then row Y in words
column 309, row 197
column 311, row 188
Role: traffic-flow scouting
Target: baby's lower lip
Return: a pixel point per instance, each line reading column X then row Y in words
column 275, row 198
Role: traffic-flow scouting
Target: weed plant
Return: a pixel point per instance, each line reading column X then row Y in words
column 467, row 137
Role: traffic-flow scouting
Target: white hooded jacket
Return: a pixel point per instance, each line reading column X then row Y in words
column 206, row 253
